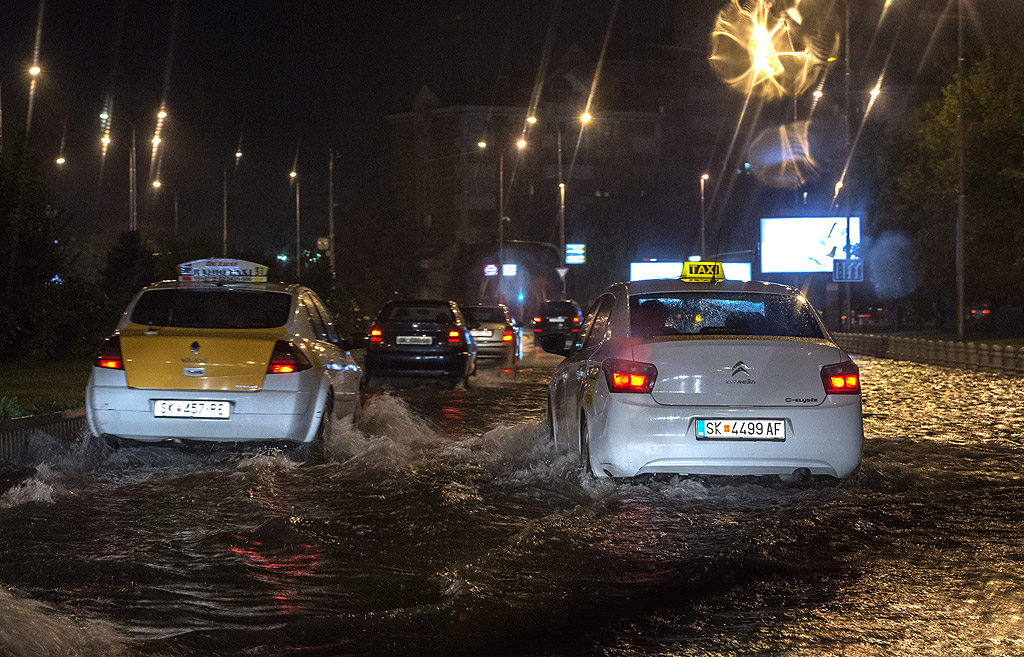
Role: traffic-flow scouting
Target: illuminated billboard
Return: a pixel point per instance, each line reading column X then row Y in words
column 805, row 244
column 643, row 271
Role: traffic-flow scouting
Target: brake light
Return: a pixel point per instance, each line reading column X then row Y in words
column 507, row 336
column 538, row 319
column 576, row 320
column 629, row 376
column 109, row 355
column 376, row 335
column 287, row 359
column 454, row 336
column 841, row 379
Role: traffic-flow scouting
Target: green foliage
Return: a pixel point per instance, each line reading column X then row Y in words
column 130, row 266
column 35, row 257
column 920, row 191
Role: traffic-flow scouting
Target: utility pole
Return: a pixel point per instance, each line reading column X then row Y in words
column 330, row 214
column 961, row 209
column 224, row 236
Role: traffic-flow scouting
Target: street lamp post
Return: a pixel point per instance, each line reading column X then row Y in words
column 133, row 223
column 703, row 179
column 157, row 184
column 34, row 71
column 298, row 252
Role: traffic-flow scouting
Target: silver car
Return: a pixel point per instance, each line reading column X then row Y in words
column 495, row 332
column 712, row 378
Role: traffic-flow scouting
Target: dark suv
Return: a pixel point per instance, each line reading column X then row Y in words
column 426, row 339
column 562, row 316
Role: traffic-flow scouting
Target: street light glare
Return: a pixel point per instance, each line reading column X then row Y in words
column 35, row 70
column 104, row 116
column 106, row 141
column 161, row 114
column 238, row 155
column 157, row 183
column 531, row 119
column 705, row 177
column 156, row 141
column 521, row 143
column 481, row 144
column 61, row 160
column 293, row 174
column 585, row 117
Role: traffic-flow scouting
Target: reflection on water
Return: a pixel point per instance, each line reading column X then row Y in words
column 445, row 523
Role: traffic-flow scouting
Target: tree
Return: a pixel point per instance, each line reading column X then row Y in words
column 921, row 187
column 34, row 256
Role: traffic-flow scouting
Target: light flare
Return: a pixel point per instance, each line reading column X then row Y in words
column 759, row 49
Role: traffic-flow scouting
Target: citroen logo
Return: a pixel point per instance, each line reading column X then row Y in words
column 740, row 366
column 194, row 348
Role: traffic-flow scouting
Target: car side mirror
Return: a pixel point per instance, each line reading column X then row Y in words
column 355, row 341
column 554, row 343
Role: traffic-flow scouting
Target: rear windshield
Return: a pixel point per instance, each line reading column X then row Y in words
column 721, row 314
column 559, row 308
column 221, row 308
column 484, row 314
column 418, row 313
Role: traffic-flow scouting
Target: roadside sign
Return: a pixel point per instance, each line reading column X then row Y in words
column 847, row 271
column 562, row 271
column 490, row 270
column 575, row 254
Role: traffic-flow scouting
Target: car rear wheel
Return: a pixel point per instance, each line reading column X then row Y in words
column 585, row 446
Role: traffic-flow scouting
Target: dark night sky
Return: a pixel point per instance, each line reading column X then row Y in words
column 291, row 80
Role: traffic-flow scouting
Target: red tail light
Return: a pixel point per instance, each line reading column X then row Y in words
column 507, row 336
column 575, row 320
column 629, row 376
column 454, row 336
column 841, row 379
column 287, row 358
column 376, row 335
column 109, row 355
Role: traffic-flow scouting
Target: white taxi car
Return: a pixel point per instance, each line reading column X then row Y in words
column 221, row 355
column 706, row 378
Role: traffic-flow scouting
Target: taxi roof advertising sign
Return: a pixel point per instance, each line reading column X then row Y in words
column 223, row 270
column 702, row 271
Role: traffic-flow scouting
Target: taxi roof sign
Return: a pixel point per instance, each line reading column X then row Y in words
column 702, row 271
column 222, row 270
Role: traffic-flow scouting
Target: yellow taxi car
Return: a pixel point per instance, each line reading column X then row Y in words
column 222, row 355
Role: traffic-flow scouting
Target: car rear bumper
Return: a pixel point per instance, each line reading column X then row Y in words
column 416, row 364
column 114, row 409
column 632, row 435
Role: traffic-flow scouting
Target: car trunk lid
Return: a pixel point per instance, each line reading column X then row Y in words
column 745, row 372
column 198, row 359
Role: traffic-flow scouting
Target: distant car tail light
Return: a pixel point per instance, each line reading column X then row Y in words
column 376, row 335
column 629, row 376
column 109, row 355
column 575, row 320
column 538, row 319
column 287, row 358
column 507, row 336
column 454, row 336
column 841, row 379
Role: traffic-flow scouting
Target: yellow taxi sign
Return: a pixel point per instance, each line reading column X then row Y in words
column 222, row 270
column 702, row 271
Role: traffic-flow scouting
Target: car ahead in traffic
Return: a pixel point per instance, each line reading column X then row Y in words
column 494, row 331
column 221, row 355
column 420, row 339
column 706, row 378
column 562, row 316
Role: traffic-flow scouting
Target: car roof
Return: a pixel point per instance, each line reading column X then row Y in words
column 208, row 285
column 657, row 286
column 420, row 302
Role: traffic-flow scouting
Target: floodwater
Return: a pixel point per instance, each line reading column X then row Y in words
column 446, row 524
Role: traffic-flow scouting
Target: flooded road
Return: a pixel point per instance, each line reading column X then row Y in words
column 446, row 524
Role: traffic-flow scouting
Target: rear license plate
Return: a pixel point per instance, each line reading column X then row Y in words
column 219, row 410
column 481, row 333
column 557, row 320
column 741, row 429
column 414, row 339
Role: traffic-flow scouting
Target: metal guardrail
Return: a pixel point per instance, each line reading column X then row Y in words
column 15, row 434
column 980, row 357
